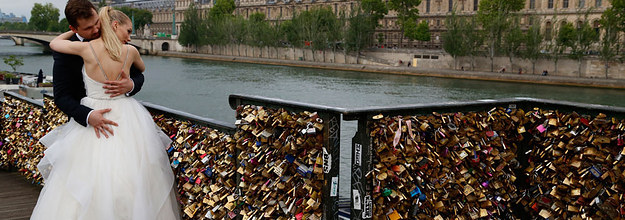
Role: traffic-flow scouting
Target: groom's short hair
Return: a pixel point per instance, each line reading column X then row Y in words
column 76, row 9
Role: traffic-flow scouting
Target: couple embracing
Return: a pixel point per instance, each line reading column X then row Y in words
column 126, row 174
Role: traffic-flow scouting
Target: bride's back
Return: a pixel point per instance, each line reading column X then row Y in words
column 111, row 68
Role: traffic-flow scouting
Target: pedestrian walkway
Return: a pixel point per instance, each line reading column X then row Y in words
column 17, row 196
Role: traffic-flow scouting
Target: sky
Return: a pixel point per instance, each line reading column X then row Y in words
column 23, row 7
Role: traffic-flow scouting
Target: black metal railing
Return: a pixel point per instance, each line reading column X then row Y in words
column 331, row 117
column 243, row 152
column 364, row 157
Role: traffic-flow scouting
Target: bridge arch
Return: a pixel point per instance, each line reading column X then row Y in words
column 165, row 46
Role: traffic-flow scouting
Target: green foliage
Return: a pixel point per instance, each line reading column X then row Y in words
column 407, row 14
column 63, row 25
column 494, row 16
column 19, row 26
column 44, row 17
column 192, row 29
column 375, row 8
column 532, row 40
column 609, row 44
column 618, row 10
column 259, row 30
column 513, row 39
column 360, row 31
column 13, row 61
column 566, row 36
column 221, row 8
column 102, row 3
column 584, row 37
column 453, row 39
column 141, row 16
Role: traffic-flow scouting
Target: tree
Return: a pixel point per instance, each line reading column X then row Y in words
column 618, row 10
column 453, row 39
column 289, row 29
column 610, row 43
column 532, row 40
column 141, row 16
column 221, row 8
column 407, row 14
column 44, row 17
column 63, row 25
column 102, row 4
column 259, row 31
column 494, row 17
column 584, row 37
column 474, row 40
column 14, row 62
column 564, row 38
column 192, row 31
column 512, row 41
column 361, row 25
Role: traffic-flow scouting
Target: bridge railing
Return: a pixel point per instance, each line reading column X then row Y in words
column 509, row 158
column 293, row 145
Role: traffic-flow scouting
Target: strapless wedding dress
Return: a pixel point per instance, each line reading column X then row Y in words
column 125, row 176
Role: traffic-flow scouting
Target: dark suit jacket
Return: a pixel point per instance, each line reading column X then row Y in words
column 69, row 87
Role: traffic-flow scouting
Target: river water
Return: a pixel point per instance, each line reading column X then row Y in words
column 202, row 87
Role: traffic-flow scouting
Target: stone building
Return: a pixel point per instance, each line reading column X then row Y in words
column 435, row 12
column 551, row 13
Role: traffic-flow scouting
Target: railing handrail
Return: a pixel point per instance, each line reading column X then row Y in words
column 209, row 122
column 356, row 113
column 235, row 101
column 18, row 96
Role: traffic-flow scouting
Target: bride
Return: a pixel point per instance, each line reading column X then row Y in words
column 125, row 176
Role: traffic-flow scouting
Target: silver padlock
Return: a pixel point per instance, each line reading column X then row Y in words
column 310, row 129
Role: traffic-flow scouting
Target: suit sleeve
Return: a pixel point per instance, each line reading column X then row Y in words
column 138, row 78
column 63, row 89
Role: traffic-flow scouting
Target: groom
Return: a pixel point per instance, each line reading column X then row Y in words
column 68, row 82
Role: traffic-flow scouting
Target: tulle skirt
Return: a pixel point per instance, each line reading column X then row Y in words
column 125, row 176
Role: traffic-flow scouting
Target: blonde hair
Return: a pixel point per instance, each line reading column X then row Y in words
column 111, row 42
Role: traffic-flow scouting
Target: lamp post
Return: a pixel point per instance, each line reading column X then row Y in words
column 173, row 25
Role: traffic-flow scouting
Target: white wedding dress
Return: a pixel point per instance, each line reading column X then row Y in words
column 125, row 176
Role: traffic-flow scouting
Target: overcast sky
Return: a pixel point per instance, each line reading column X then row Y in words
column 23, row 7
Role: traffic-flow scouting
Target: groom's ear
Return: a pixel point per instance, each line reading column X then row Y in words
column 73, row 28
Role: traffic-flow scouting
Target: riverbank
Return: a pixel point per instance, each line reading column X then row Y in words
column 417, row 71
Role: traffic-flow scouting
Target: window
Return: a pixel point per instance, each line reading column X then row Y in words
column 475, row 5
column 548, row 31
column 550, row 4
column 451, row 5
column 582, row 3
column 532, row 4
column 427, row 6
column 597, row 3
column 565, row 3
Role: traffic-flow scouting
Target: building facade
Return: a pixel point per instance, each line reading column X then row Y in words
column 550, row 13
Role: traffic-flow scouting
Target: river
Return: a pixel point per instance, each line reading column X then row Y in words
column 202, row 87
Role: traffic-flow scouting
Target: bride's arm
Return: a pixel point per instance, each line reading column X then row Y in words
column 137, row 62
column 62, row 44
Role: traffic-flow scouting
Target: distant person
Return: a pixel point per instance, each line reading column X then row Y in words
column 408, row 63
column 40, row 77
column 545, row 72
column 520, row 71
column 503, row 70
column 462, row 68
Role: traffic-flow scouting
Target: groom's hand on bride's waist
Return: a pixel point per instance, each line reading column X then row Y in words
column 100, row 124
column 122, row 86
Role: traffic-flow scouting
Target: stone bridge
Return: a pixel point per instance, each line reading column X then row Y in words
column 146, row 45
